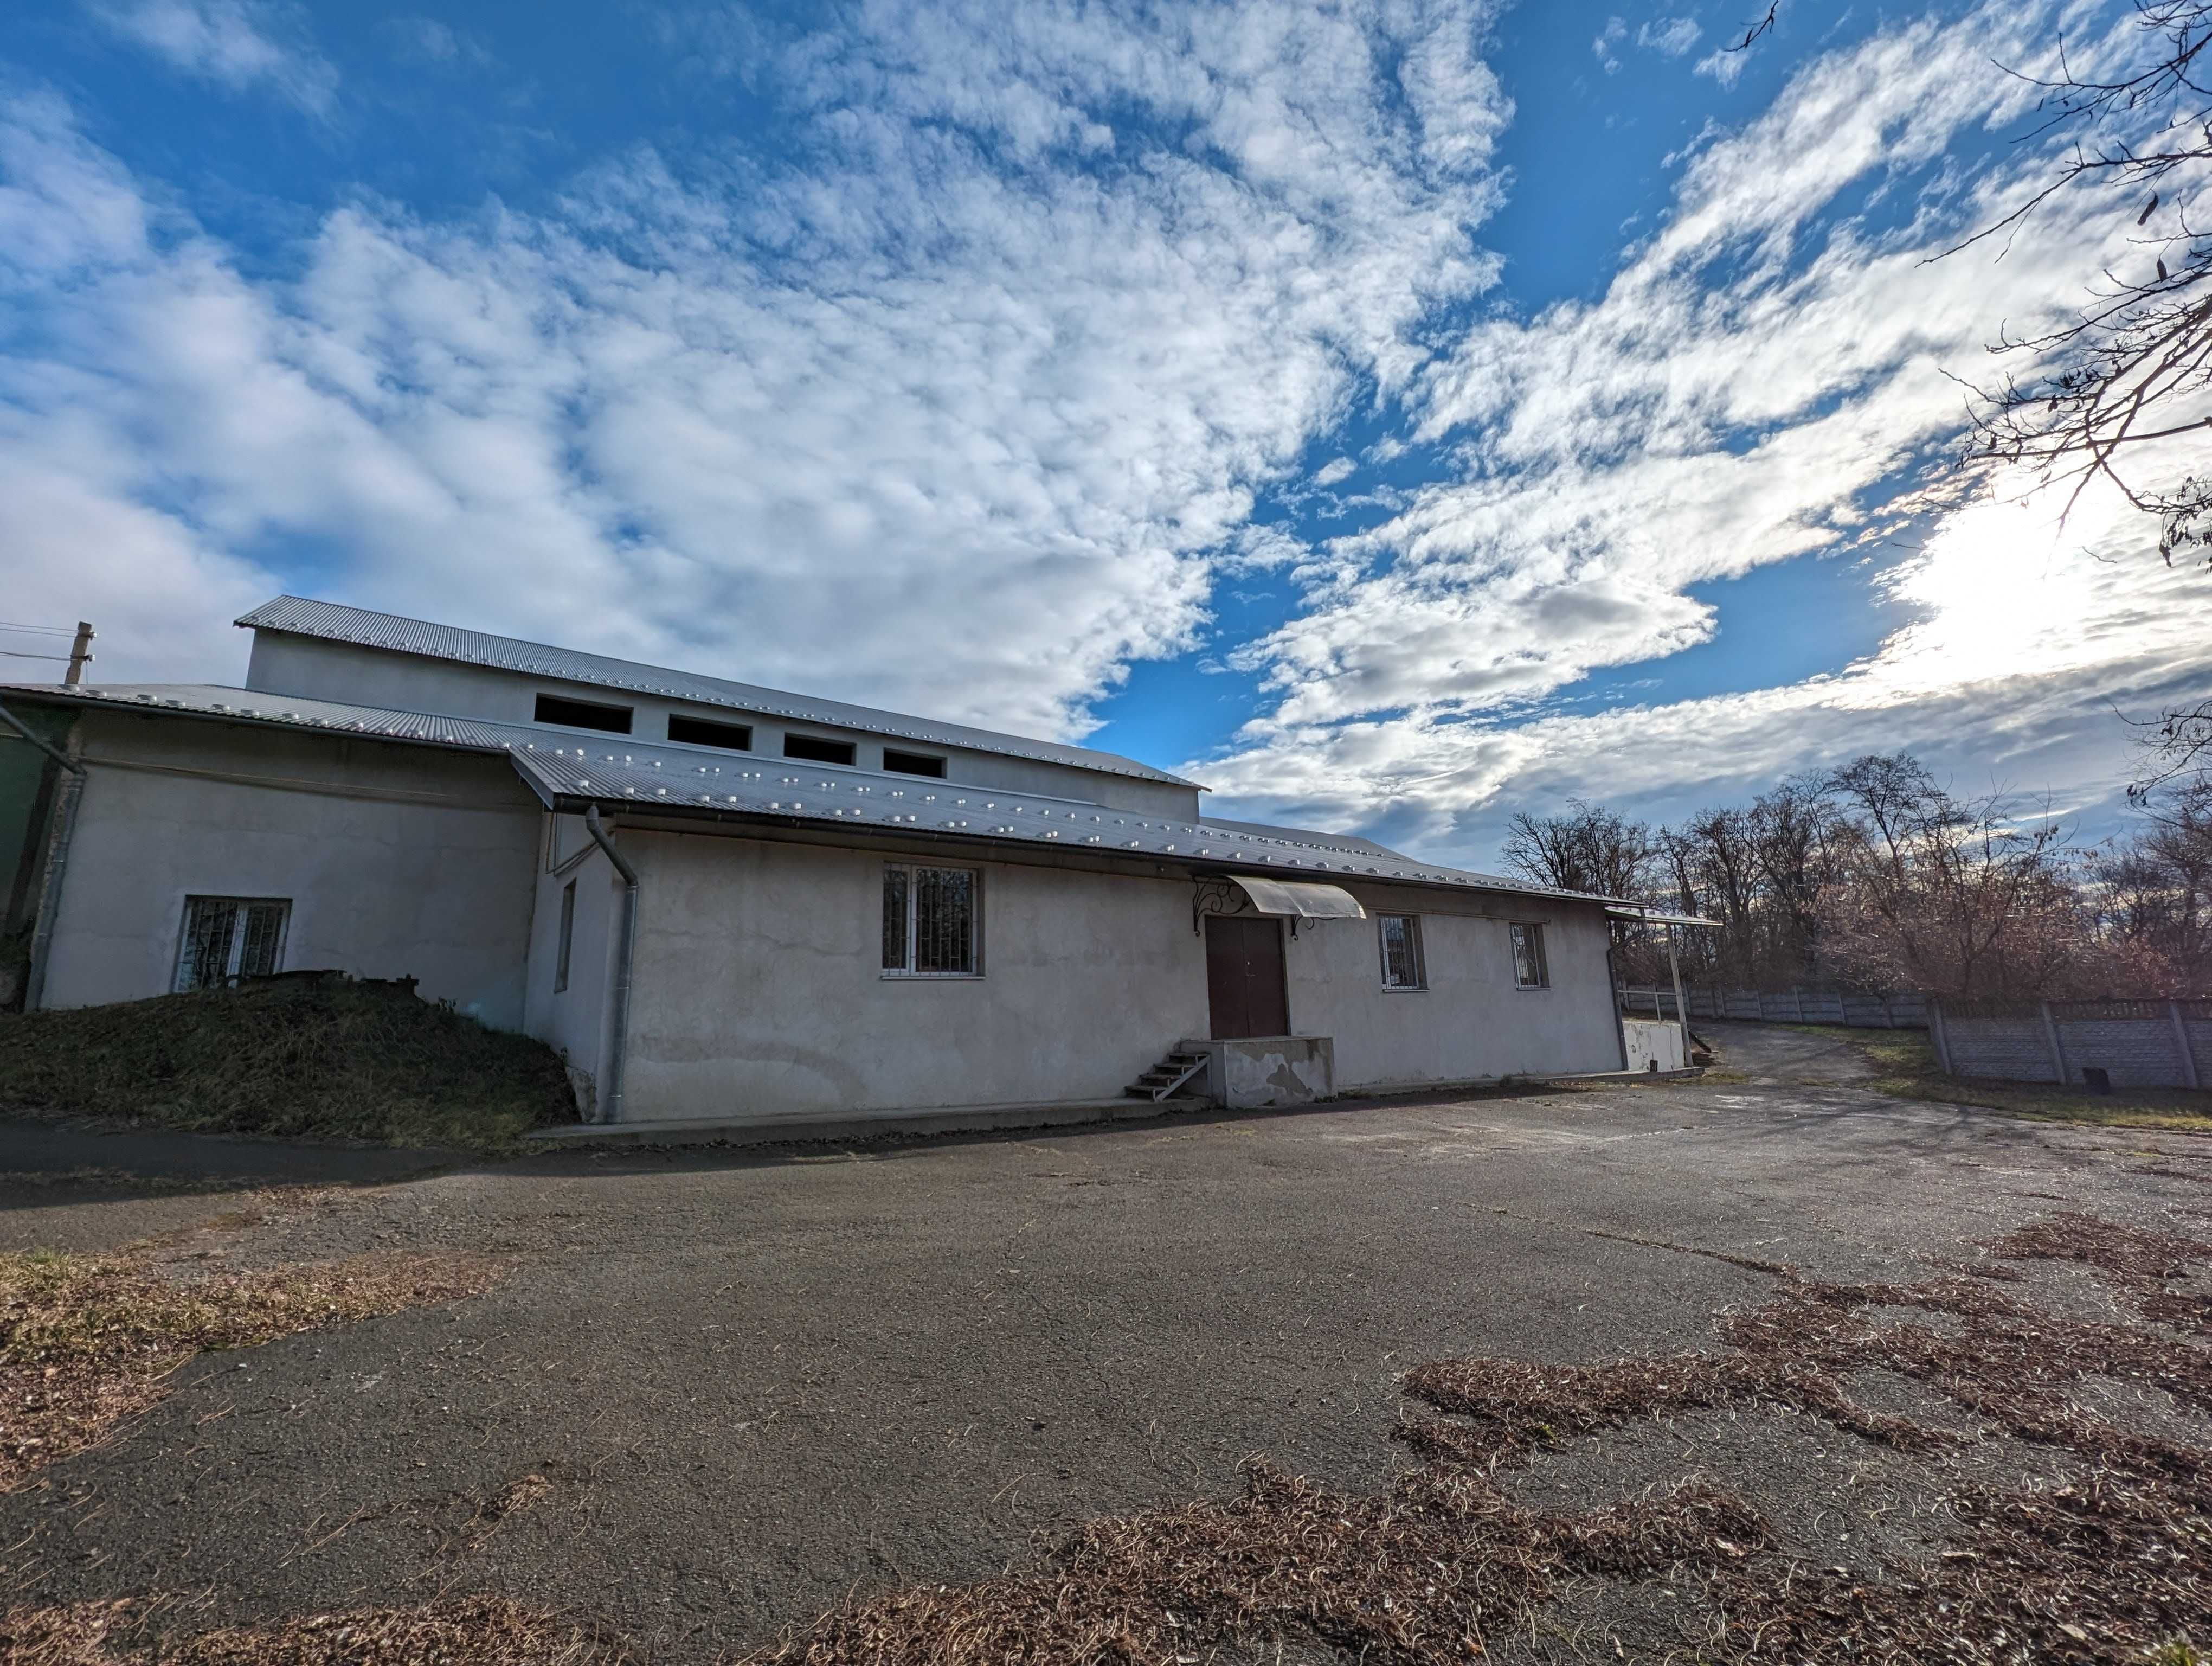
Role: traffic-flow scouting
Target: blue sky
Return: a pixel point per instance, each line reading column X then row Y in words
column 1397, row 413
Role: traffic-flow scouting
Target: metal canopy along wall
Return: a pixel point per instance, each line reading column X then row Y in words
column 1299, row 900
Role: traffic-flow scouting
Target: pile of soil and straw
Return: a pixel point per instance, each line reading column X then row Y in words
column 318, row 1055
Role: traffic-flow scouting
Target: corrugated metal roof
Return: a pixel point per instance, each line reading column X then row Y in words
column 1350, row 843
column 334, row 621
column 670, row 779
column 203, row 700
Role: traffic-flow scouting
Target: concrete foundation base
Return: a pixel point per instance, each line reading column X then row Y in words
column 950, row 1119
column 1249, row 1073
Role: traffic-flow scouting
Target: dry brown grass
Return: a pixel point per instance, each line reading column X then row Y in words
column 2111, row 1566
column 1905, row 1068
column 481, row 1630
column 2112, row 1561
column 89, row 1342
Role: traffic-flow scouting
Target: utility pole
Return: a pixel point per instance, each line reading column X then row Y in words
column 80, row 653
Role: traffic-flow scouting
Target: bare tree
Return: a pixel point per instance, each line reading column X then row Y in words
column 2108, row 394
column 2133, row 369
column 1587, row 848
column 1715, row 872
column 2177, row 745
column 1793, row 833
column 2152, row 895
column 1967, row 898
column 2129, row 369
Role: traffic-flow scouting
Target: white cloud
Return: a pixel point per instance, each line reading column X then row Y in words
column 437, row 42
column 1607, row 39
column 971, row 406
column 936, row 419
column 1724, row 64
column 239, row 45
column 1670, row 37
column 1754, row 379
column 2005, row 680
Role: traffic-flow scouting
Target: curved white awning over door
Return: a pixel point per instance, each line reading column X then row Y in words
column 1299, row 899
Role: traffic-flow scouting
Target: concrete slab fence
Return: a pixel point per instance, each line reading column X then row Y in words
column 1858, row 1008
column 2097, row 1043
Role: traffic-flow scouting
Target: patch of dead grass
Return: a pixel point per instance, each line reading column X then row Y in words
column 1905, row 1068
column 2111, row 1560
column 89, row 1342
column 479, row 1631
column 2105, row 1567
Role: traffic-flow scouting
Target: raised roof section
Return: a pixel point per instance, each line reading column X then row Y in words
column 334, row 621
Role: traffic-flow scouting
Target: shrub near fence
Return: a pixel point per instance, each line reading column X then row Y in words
column 2127, row 1043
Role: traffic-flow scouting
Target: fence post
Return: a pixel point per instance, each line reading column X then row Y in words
column 1888, row 1012
column 1797, row 1002
column 2050, row 1035
column 2189, row 1076
column 1936, row 1034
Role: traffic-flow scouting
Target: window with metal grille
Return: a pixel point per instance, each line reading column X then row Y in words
column 228, row 938
column 1529, row 969
column 568, row 936
column 930, row 921
column 1401, row 936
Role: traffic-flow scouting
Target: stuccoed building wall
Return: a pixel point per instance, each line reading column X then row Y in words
column 399, row 861
column 759, row 992
column 1471, row 1023
column 576, row 1020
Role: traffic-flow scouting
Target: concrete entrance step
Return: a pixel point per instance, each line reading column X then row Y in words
column 946, row 1119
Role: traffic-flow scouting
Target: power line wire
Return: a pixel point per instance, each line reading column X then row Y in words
column 40, row 630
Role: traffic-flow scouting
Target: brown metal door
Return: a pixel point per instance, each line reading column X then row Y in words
column 1245, row 987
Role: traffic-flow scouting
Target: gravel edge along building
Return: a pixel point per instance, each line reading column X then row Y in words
column 728, row 904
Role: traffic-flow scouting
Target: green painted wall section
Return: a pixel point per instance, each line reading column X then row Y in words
column 22, row 770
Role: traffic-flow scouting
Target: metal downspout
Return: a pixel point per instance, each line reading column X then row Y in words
column 63, row 827
column 1681, row 1007
column 610, row 1101
column 1613, row 993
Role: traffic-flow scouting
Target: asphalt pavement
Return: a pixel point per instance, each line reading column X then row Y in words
column 750, row 1383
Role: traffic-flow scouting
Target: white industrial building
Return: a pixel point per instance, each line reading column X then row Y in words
column 731, row 905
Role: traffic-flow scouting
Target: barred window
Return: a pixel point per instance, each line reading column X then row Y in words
column 568, row 937
column 1401, row 936
column 228, row 938
column 929, row 920
column 1529, row 969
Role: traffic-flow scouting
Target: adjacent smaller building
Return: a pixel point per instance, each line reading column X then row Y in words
column 731, row 904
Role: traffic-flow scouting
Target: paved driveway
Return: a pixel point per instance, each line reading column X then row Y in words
column 754, row 1383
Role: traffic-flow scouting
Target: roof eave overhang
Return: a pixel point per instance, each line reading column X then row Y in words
column 1630, row 912
column 18, row 694
column 563, row 802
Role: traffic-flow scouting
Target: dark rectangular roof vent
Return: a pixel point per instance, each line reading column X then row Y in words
column 815, row 749
column 583, row 715
column 705, row 731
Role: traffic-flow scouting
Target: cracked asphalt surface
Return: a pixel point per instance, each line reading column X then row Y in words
column 755, row 1383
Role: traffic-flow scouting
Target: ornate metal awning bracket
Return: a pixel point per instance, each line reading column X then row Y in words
column 1213, row 897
